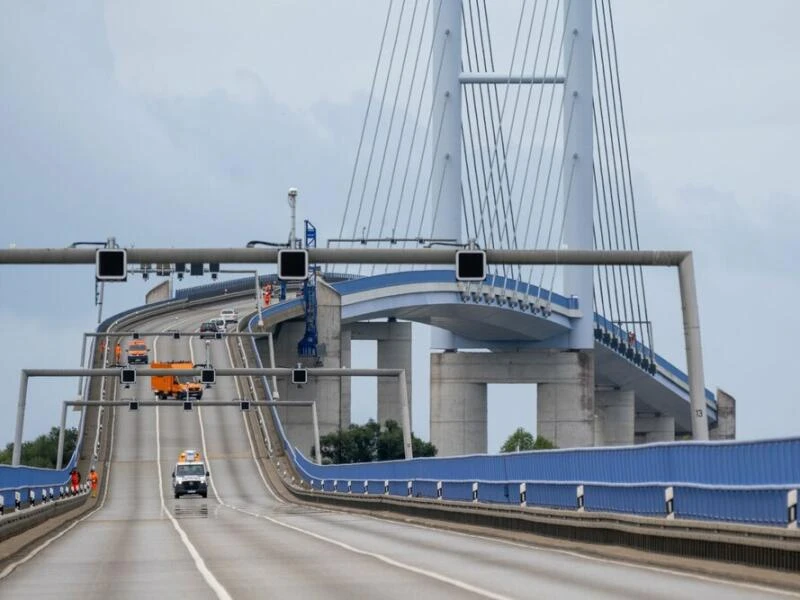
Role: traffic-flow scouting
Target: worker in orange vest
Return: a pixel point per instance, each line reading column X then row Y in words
column 118, row 353
column 74, row 480
column 93, row 481
column 267, row 294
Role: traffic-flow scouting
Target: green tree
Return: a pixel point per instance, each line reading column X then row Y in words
column 369, row 442
column 522, row 439
column 43, row 451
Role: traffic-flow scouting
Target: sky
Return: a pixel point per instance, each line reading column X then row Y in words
column 184, row 124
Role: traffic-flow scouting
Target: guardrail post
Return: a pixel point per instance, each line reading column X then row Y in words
column 17, row 500
column 669, row 502
column 438, row 490
column 366, row 487
column 335, row 485
column 349, row 487
column 410, row 489
column 579, row 494
column 386, row 488
column 31, row 498
column 791, row 506
column 475, row 491
column 2, row 504
column 52, row 495
column 44, row 495
column 523, row 494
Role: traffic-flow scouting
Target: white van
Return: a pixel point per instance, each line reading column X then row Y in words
column 229, row 315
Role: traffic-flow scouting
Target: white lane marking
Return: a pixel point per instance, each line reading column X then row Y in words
column 385, row 559
column 574, row 554
column 249, row 436
column 380, row 557
column 199, row 563
column 10, row 568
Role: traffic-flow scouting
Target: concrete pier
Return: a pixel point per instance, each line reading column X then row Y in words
column 650, row 429
column 615, row 417
column 331, row 393
column 394, row 352
column 565, row 381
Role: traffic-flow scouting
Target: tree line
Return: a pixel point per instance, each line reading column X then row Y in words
column 43, row 451
column 358, row 443
column 370, row 442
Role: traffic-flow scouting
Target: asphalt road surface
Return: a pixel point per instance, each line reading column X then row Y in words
column 245, row 542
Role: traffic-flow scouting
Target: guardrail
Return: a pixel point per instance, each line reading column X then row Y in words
column 776, row 506
column 42, row 504
column 26, row 483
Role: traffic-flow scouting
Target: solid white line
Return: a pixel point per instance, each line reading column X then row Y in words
column 199, row 563
column 10, row 568
column 249, row 436
column 385, row 559
column 573, row 553
column 382, row 558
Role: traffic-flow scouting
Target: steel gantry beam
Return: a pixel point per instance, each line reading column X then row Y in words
column 180, row 403
column 681, row 259
column 400, row 374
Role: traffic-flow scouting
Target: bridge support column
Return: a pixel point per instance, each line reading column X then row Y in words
column 726, row 417
column 565, row 410
column 394, row 352
column 458, row 416
column 458, row 395
column 615, row 417
column 654, row 429
column 333, row 411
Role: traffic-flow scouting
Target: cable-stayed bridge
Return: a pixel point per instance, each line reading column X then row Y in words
column 534, row 157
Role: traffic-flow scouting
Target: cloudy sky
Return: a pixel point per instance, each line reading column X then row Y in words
column 184, row 123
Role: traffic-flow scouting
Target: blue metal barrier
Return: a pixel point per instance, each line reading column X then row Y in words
column 756, row 506
column 631, row 499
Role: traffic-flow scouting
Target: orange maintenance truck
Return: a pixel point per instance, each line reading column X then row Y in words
column 177, row 386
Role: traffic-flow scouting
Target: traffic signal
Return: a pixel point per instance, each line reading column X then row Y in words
column 292, row 265
column 299, row 376
column 207, row 376
column 127, row 376
column 470, row 265
column 111, row 264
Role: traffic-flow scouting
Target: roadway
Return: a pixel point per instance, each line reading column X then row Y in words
column 245, row 541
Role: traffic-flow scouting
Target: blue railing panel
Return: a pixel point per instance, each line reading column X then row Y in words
column 639, row 500
column 457, row 490
column 761, row 507
column 424, row 489
column 551, row 495
column 498, row 493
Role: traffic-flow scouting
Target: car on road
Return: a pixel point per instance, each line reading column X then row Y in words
column 137, row 352
column 208, row 329
column 229, row 315
column 190, row 478
column 220, row 323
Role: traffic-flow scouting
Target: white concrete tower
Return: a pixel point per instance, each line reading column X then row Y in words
column 578, row 140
